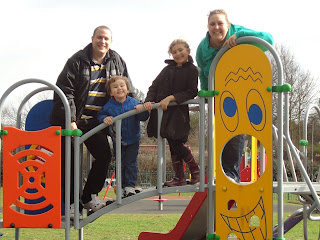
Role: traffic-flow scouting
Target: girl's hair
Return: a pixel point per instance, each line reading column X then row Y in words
column 178, row 41
column 219, row 11
column 113, row 79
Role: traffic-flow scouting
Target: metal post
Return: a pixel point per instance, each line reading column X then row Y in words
column 160, row 154
column 202, row 143
column 118, row 161
column 312, row 149
column 76, row 182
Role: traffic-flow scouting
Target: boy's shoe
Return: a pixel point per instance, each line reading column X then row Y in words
column 95, row 204
column 108, row 202
column 138, row 190
column 72, row 213
column 129, row 191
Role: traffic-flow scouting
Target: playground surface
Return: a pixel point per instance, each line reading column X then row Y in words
column 173, row 205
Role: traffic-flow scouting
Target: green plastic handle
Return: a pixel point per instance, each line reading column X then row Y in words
column 303, row 142
column 212, row 236
column 3, row 132
column 75, row 132
column 284, row 88
column 204, row 93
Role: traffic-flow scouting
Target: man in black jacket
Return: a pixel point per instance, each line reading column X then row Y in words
column 82, row 80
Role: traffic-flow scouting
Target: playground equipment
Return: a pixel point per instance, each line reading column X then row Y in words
column 241, row 97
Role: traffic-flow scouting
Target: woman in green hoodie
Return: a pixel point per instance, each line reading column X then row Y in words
column 221, row 33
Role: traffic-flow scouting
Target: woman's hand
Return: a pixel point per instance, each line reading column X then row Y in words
column 108, row 121
column 165, row 102
column 148, row 105
column 231, row 42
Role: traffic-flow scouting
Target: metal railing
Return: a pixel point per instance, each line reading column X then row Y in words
column 161, row 170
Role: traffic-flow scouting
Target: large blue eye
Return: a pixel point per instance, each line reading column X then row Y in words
column 229, row 106
column 256, row 110
column 255, row 114
column 229, row 111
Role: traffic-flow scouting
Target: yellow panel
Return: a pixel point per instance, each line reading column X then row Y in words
column 243, row 106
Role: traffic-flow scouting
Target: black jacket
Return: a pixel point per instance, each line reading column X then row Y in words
column 175, row 123
column 74, row 82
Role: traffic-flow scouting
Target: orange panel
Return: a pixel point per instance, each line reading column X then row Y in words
column 15, row 166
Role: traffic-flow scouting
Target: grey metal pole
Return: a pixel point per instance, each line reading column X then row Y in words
column 17, row 234
column 312, row 149
column 76, row 182
column 118, row 161
column 202, row 143
column 164, row 160
column 160, row 153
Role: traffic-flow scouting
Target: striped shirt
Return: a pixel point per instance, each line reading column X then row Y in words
column 97, row 91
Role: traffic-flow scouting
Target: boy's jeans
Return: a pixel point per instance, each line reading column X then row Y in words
column 129, row 164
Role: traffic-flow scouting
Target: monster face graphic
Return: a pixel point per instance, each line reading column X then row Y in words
column 241, row 102
column 243, row 106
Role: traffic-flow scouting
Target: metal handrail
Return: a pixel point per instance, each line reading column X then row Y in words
column 161, row 152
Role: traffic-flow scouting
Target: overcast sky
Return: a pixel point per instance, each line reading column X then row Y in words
column 38, row 36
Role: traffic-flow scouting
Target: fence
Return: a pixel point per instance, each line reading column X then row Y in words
column 149, row 178
column 287, row 196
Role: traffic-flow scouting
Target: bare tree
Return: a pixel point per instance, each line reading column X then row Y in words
column 139, row 95
column 10, row 110
column 9, row 116
column 305, row 89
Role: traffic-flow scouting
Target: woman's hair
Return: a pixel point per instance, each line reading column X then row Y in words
column 218, row 11
column 178, row 41
column 113, row 79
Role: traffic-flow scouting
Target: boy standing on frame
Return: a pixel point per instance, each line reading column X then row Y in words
column 120, row 102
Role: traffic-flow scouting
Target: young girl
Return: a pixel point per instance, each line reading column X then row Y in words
column 177, row 82
column 118, row 88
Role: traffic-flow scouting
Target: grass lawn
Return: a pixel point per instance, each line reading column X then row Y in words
column 108, row 227
column 129, row 226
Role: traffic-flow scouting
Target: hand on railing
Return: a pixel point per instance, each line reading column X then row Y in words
column 165, row 102
column 139, row 107
column 108, row 120
column 148, row 106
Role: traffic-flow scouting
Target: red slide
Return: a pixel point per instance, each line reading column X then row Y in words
column 191, row 225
